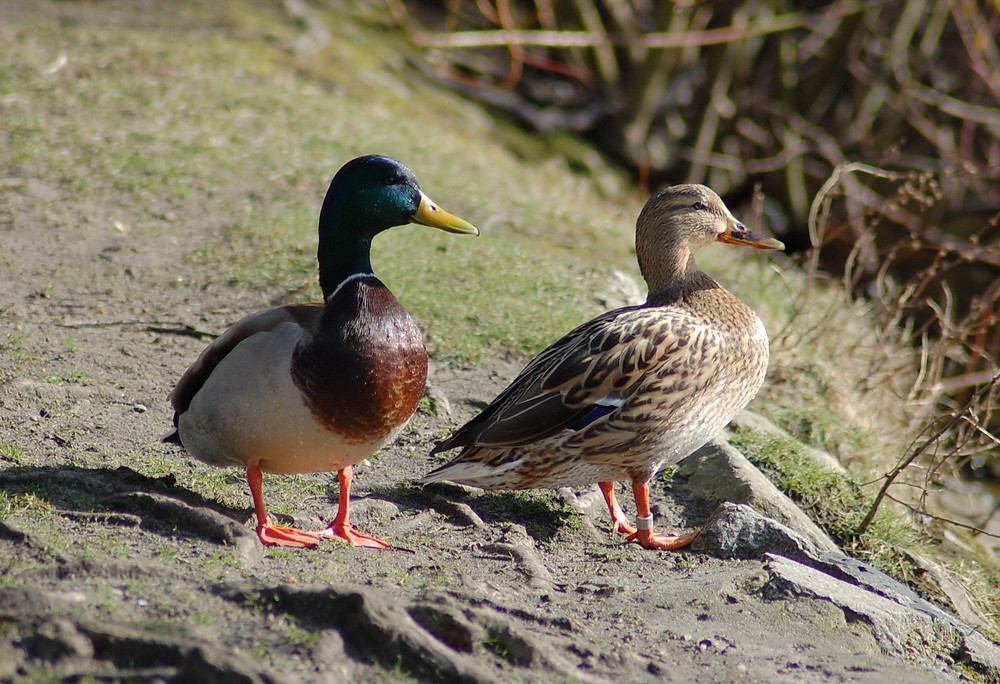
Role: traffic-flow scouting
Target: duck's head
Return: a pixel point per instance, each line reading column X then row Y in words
column 367, row 196
column 678, row 221
column 372, row 193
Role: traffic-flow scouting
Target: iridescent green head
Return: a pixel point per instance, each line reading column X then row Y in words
column 368, row 195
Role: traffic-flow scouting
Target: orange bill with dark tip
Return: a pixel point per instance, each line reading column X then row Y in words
column 741, row 235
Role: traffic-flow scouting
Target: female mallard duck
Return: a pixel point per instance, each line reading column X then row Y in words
column 318, row 387
column 636, row 388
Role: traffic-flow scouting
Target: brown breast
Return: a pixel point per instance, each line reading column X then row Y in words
column 364, row 368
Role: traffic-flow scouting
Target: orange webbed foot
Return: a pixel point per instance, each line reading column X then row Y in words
column 341, row 527
column 348, row 533
column 269, row 533
column 619, row 522
column 643, row 531
column 275, row 535
column 661, row 540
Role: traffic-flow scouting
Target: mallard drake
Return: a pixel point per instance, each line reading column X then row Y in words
column 318, row 387
column 635, row 389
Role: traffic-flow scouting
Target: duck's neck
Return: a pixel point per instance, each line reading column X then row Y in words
column 685, row 285
column 670, row 270
column 341, row 258
column 344, row 247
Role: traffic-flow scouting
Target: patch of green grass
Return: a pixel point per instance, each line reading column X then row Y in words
column 496, row 646
column 11, row 452
column 834, row 501
column 683, row 563
column 509, row 646
column 399, row 672
column 281, row 552
column 22, row 355
column 83, row 378
column 427, row 405
column 439, row 577
column 8, row 576
column 222, row 558
column 668, row 473
column 30, row 500
column 299, row 636
column 396, row 576
column 14, row 349
column 813, row 421
column 203, row 619
column 570, row 517
column 259, row 652
column 168, row 553
column 614, row 554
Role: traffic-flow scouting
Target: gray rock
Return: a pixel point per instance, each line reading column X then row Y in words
column 982, row 654
column 870, row 578
column 718, row 472
column 901, row 621
column 738, row 531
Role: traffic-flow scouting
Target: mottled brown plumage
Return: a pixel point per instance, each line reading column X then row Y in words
column 636, row 388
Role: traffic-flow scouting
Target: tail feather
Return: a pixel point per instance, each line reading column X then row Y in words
column 474, row 474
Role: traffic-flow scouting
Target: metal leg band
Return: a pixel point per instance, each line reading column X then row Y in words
column 644, row 523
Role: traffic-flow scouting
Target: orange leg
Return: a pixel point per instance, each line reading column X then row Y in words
column 619, row 522
column 269, row 533
column 644, row 522
column 341, row 528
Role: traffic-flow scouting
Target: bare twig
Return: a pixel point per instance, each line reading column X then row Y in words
column 890, row 477
column 947, row 521
column 487, row 38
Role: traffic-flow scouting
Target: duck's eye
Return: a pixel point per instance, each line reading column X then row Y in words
column 391, row 180
column 699, row 206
